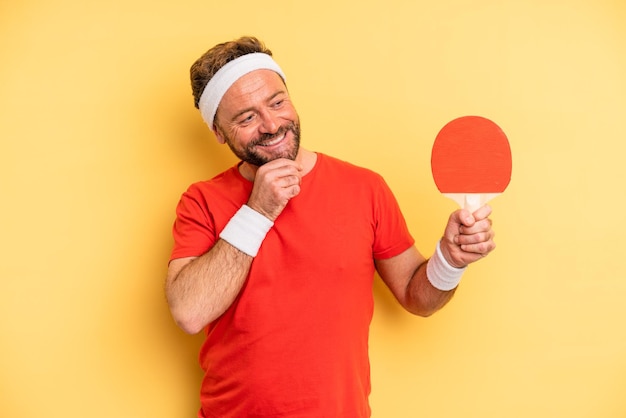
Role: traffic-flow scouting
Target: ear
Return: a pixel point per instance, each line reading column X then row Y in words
column 218, row 135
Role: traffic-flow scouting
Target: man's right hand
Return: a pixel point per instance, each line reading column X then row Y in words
column 275, row 183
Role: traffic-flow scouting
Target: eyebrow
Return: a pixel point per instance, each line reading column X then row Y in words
column 251, row 108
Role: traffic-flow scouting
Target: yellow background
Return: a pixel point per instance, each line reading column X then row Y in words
column 99, row 138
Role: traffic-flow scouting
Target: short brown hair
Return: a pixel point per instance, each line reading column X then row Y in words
column 215, row 58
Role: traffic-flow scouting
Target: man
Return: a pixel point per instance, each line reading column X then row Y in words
column 274, row 258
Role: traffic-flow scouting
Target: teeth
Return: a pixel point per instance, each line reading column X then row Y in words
column 274, row 141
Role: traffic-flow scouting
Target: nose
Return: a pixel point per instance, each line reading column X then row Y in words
column 269, row 123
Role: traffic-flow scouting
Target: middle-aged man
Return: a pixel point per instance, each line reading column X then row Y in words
column 275, row 257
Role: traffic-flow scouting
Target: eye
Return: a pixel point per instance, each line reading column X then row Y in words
column 278, row 102
column 246, row 118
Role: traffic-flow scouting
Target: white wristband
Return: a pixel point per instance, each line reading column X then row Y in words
column 441, row 274
column 246, row 230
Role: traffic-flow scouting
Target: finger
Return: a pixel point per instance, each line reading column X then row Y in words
column 480, row 226
column 283, row 162
column 465, row 217
column 278, row 168
column 294, row 190
column 482, row 212
column 291, row 173
column 480, row 248
column 291, row 180
column 479, row 237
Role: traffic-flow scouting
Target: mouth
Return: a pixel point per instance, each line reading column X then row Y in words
column 282, row 144
column 274, row 141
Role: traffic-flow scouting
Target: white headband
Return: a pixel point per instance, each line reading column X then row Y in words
column 227, row 75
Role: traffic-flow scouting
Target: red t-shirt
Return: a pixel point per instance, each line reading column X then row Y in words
column 295, row 341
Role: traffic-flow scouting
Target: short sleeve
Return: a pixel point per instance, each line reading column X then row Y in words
column 392, row 236
column 194, row 229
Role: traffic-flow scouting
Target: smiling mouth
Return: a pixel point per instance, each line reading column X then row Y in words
column 277, row 139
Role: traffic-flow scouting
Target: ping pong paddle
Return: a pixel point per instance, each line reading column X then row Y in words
column 471, row 161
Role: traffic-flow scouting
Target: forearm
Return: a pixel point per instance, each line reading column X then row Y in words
column 422, row 298
column 204, row 288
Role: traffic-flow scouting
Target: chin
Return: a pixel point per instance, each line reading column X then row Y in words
column 291, row 153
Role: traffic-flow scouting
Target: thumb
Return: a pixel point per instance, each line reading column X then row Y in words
column 464, row 217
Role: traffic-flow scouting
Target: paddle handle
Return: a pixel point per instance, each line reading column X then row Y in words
column 471, row 201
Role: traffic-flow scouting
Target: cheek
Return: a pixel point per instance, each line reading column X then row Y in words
column 292, row 115
column 237, row 136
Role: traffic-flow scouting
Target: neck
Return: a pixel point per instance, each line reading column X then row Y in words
column 305, row 157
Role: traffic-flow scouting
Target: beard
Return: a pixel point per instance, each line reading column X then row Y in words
column 251, row 155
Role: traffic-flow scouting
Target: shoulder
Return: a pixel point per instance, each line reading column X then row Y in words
column 223, row 181
column 346, row 169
